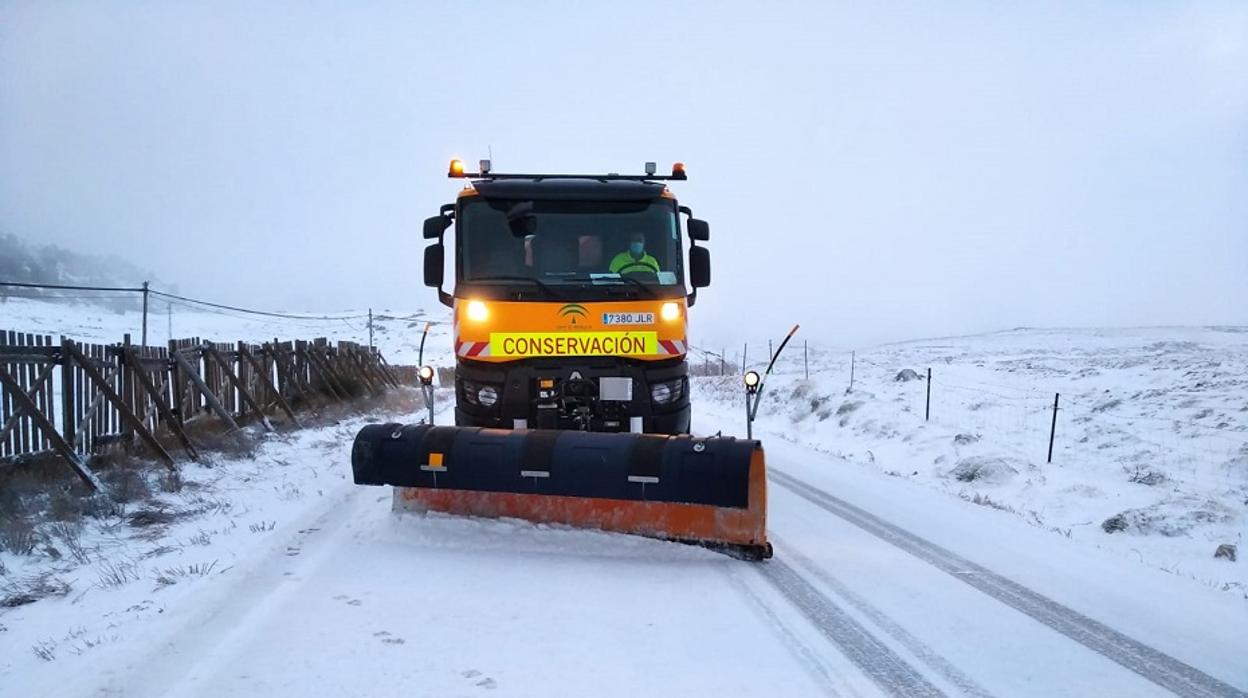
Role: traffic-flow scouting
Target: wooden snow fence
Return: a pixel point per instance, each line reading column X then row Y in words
column 69, row 399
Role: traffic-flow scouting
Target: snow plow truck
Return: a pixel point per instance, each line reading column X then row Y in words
column 570, row 312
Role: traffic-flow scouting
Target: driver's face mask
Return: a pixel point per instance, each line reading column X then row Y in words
column 636, row 248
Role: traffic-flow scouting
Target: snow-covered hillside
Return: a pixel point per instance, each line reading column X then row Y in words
column 1150, row 457
column 396, row 332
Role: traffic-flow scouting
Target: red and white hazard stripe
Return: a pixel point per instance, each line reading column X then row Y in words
column 673, row 347
column 472, row 350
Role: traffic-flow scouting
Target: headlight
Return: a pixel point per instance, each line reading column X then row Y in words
column 477, row 312
column 479, row 394
column 487, row 396
column 667, row 392
column 670, row 311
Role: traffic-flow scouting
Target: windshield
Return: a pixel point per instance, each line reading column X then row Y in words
column 605, row 247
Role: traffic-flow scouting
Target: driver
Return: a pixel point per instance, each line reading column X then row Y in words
column 634, row 259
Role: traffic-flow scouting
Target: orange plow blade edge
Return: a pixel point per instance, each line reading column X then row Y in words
column 710, row 492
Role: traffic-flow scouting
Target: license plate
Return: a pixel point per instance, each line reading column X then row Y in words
column 628, row 318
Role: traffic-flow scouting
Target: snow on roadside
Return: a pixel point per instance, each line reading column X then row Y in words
column 1151, row 454
column 115, row 574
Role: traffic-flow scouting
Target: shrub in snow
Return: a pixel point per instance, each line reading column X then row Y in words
column 1170, row 518
column 30, row 589
column 1226, row 551
column 906, row 375
column 983, row 469
column 1147, row 477
column 1114, row 524
column 965, row 439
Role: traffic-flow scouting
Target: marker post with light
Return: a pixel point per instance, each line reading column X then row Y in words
column 754, row 385
column 752, row 381
column 426, row 387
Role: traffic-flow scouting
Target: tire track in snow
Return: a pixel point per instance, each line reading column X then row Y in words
column 876, row 660
column 831, row 683
column 1152, row 664
column 914, row 645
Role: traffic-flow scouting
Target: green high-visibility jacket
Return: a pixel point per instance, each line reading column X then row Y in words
column 625, row 263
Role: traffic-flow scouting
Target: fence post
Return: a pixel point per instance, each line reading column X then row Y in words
column 144, row 342
column 721, row 360
column 370, row 331
column 769, row 350
column 852, row 357
column 1053, row 426
column 806, row 358
column 745, row 349
column 927, row 411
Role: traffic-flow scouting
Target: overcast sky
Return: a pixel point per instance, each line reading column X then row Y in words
column 874, row 171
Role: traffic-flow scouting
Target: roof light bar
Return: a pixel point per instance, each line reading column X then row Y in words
column 456, row 171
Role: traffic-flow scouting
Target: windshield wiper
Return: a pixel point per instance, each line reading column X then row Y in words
column 542, row 285
column 636, row 282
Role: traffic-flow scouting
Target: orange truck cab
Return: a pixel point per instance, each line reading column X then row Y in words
column 570, row 300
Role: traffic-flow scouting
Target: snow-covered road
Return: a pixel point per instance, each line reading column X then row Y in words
column 878, row 587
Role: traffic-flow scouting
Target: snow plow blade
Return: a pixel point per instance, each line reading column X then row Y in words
column 710, row 492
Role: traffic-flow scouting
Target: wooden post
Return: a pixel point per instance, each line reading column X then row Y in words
column 806, row 358
column 722, row 352
column 238, row 385
column 213, row 403
column 246, row 355
column 370, row 329
column 354, row 358
column 1053, row 426
column 927, row 411
column 338, row 392
column 745, row 350
column 385, row 369
column 127, row 416
column 158, row 399
column 68, row 391
column 31, row 396
column 89, row 420
column 23, row 403
column 289, row 376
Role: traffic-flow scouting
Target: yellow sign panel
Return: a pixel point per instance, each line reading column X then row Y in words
column 526, row 344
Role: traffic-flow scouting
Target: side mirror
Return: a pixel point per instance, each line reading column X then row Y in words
column 699, row 230
column 434, row 260
column 699, row 267
column 436, row 226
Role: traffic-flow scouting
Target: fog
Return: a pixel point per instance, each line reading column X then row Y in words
column 875, row 172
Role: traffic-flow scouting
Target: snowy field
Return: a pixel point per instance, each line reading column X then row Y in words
column 1150, row 457
column 912, row 558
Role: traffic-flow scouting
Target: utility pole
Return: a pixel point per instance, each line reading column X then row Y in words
column 144, row 342
column 370, row 329
column 169, row 317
